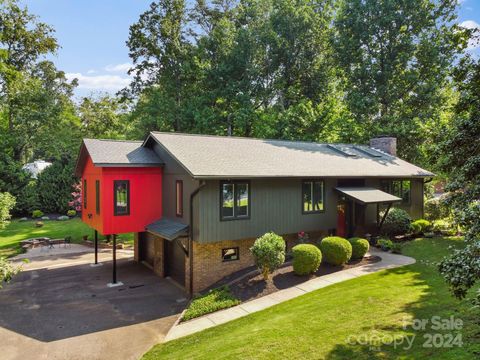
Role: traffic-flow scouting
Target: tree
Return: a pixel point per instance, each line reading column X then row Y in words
column 55, row 185
column 7, row 202
column 460, row 158
column 102, row 117
column 23, row 41
column 159, row 48
column 396, row 57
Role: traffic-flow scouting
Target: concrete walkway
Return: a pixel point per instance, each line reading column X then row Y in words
column 388, row 261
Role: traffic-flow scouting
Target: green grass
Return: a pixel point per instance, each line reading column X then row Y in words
column 318, row 325
column 217, row 299
column 16, row 231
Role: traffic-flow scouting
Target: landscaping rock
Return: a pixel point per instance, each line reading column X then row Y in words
column 23, row 219
column 63, row 218
column 45, row 218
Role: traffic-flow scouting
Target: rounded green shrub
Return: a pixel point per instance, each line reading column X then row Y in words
column 71, row 213
column 335, row 250
column 415, row 228
column 424, row 225
column 37, row 214
column 397, row 222
column 306, row 259
column 359, row 247
column 269, row 253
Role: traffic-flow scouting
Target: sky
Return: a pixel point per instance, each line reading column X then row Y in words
column 92, row 35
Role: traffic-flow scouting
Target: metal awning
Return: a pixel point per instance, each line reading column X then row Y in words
column 368, row 195
column 168, row 229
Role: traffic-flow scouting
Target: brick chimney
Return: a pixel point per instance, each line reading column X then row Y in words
column 386, row 144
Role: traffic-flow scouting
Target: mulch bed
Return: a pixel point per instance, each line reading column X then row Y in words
column 253, row 286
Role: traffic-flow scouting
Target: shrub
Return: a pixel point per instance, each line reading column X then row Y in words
column 306, row 259
column 436, row 208
column 396, row 248
column 37, row 214
column 269, row 253
column 7, row 271
column 27, row 199
column 55, row 185
column 415, row 228
column 397, row 222
column 214, row 300
column 7, row 202
column 444, row 226
column 359, row 247
column 336, row 250
column 38, row 224
column 62, row 218
column 385, row 244
column 424, row 225
column 71, row 213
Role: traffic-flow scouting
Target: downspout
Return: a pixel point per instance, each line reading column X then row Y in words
column 190, row 233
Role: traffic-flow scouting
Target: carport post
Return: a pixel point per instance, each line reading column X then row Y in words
column 114, row 281
column 96, row 247
column 114, row 270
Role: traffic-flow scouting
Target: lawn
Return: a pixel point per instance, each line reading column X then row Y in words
column 345, row 320
column 20, row 230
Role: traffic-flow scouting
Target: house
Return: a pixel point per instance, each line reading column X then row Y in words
column 196, row 203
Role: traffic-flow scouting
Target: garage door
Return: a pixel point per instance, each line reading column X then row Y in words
column 175, row 262
column 147, row 248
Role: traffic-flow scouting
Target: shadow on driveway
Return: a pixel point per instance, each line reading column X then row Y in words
column 60, row 303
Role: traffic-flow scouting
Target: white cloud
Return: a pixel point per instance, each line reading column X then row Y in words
column 91, row 71
column 99, row 82
column 470, row 24
column 118, row 67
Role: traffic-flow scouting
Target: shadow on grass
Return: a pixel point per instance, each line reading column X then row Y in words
column 406, row 338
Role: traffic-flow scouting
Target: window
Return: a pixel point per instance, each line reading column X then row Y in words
column 400, row 188
column 121, row 197
column 313, row 196
column 234, row 200
column 179, row 198
column 97, row 196
column 230, row 254
column 84, row 193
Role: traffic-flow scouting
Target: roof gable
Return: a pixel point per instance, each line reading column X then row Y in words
column 111, row 153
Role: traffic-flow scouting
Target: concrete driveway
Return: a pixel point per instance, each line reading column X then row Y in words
column 61, row 308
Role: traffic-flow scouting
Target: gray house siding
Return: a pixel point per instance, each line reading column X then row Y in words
column 276, row 206
column 172, row 172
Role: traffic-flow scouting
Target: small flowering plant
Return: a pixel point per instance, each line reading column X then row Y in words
column 302, row 237
column 76, row 202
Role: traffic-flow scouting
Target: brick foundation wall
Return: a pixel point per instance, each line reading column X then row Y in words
column 208, row 267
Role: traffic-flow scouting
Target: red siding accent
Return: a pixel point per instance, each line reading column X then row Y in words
column 145, row 198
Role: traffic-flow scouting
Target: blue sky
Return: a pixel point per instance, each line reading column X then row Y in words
column 92, row 34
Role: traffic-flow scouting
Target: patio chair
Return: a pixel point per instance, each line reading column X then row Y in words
column 67, row 240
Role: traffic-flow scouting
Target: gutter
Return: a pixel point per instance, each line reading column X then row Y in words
column 190, row 233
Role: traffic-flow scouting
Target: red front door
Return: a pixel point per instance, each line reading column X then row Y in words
column 342, row 219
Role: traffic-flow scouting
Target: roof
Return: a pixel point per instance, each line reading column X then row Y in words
column 205, row 157
column 168, row 229
column 108, row 153
column 366, row 195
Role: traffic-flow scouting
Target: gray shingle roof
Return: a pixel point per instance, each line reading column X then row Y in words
column 168, row 229
column 116, row 153
column 232, row 157
column 113, row 152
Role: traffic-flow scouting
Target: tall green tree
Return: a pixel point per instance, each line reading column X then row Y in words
column 459, row 157
column 34, row 96
column 396, row 57
column 159, row 48
column 102, row 117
